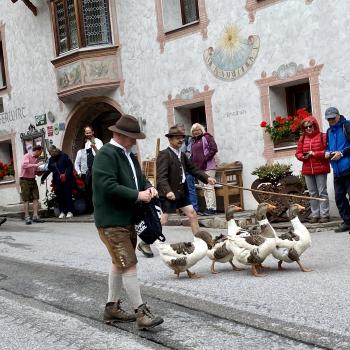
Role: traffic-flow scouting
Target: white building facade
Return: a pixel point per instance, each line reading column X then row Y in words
column 227, row 64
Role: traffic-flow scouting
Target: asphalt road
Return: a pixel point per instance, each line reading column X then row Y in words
column 48, row 307
column 64, row 266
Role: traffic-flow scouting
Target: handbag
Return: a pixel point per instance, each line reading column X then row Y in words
column 147, row 221
column 63, row 177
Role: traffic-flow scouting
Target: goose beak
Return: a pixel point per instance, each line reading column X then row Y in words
column 300, row 207
column 271, row 206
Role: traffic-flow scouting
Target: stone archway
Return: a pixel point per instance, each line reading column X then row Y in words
column 99, row 112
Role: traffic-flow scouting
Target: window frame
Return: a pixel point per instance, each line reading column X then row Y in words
column 15, row 182
column 312, row 73
column 78, row 9
column 6, row 89
column 201, row 25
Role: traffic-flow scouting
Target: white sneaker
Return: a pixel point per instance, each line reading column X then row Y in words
column 69, row 215
column 61, row 216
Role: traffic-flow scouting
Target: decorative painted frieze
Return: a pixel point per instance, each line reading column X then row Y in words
column 187, row 93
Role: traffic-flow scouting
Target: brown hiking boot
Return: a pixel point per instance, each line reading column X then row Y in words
column 145, row 319
column 313, row 220
column 324, row 220
column 114, row 313
column 145, row 249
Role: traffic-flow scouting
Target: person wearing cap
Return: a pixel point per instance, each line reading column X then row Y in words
column 172, row 166
column 338, row 151
column 118, row 183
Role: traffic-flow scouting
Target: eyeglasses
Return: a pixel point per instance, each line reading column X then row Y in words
column 308, row 126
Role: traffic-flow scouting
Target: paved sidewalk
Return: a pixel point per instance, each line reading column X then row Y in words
column 316, row 303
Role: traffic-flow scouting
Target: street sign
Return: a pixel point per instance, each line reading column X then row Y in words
column 40, row 119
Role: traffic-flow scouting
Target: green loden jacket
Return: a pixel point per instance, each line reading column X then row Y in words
column 114, row 189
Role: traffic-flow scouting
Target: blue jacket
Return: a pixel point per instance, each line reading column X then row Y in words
column 337, row 141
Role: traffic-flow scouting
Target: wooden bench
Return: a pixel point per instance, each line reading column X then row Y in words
column 226, row 174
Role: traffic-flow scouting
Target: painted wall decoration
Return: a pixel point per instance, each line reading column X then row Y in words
column 233, row 55
column 56, row 129
column 61, row 126
column 50, row 130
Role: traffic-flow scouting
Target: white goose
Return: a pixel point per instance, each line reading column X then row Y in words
column 220, row 253
column 292, row 245
column 181, row 256
column 249, row 249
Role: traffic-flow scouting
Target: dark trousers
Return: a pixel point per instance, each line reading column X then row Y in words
column 64, row 198
column 88, row 192
column 341, row 189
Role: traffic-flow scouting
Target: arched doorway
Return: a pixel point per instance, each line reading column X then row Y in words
column 100, row 113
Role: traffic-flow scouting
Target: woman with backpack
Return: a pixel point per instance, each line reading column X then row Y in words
column 311, row 151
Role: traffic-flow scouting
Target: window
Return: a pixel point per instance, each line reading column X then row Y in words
column 287, row 99
column 81, row 23
column 297, row 97
column 2, row 68
column 179, row 18
column 179, row 13
column 289, row 88
column 7, row 172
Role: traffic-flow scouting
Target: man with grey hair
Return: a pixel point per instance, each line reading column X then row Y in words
column 338, row 151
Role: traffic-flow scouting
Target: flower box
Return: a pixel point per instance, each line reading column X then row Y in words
column 285, row 131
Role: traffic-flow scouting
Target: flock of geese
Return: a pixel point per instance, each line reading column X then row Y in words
column 246, row 247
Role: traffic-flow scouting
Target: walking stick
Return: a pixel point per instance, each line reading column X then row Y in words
column 274, row 193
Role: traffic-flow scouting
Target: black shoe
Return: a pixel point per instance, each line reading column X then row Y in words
column 145, row 249
column 37, row 220
column 210, row 212
column 343, row 227
column 28, row 221
column 2, row 220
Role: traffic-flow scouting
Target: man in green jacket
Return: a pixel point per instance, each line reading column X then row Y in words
column 118, row 184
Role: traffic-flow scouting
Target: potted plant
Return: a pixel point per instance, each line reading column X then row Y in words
column 285, row 131
column 278, row 178
column 7, row 171
column 50, row 201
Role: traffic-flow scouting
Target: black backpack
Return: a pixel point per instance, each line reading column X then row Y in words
column 147, row 221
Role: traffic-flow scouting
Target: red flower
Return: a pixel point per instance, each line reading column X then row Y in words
column 263, row 124
column 289, row 118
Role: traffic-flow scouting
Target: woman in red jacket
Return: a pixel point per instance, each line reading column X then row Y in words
column 311, row 151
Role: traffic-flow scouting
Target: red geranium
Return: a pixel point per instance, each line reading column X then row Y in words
column 285, row 126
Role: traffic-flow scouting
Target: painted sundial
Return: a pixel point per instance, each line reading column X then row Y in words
column 233, row 55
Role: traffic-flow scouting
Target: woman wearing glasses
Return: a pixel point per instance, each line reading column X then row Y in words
column 311, row 151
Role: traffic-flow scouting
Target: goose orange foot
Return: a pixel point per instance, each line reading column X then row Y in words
column 256, row 273
column 280, row 268
column 192, row 275
column 303, row 268
column 212, row 268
